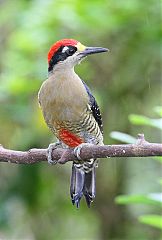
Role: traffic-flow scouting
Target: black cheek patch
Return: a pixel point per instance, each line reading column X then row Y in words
column 61, row 56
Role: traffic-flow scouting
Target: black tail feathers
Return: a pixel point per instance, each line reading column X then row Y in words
column 82, row 184
column 77, row 183
column 89, row 189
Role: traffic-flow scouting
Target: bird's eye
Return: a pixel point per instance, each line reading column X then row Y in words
column 71, row 50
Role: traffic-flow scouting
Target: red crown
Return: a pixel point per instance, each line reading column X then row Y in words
column 58, row 44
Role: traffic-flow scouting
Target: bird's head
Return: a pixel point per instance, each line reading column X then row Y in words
column 69, row 52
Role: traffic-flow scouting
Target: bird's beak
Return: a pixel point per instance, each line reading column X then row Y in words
column 92, row 50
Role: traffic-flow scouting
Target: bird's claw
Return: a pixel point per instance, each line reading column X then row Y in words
column 51, row 147
column 77, row 150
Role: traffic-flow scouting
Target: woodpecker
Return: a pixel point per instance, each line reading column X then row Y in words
column 72, row 113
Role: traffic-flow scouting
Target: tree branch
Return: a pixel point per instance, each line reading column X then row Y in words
column 141, row 148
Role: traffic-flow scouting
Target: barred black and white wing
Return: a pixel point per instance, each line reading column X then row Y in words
column 94, row 108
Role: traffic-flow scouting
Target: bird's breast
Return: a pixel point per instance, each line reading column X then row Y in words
column 63, row 99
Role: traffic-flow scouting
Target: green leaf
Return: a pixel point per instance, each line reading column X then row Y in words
column 122, row 137
column 142, row 120
column 159, row 158
column 137, row 199
column 152, row 220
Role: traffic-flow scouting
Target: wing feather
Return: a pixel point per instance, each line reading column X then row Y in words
column 94, row 108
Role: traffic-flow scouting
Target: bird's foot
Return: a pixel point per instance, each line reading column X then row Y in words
column 51, row 147
column 77, row 150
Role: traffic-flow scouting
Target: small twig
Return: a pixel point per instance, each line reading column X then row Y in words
column 141, row 139
column 140, row 149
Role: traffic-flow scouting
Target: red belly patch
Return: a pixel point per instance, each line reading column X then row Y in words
column 69, row 138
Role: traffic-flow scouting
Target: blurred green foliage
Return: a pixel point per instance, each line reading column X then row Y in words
column 151, row 198
column 34, row 200
column 153, row 220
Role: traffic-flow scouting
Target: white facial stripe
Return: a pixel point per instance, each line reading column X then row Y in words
column 64, row 49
